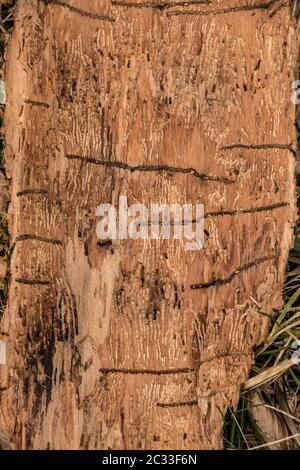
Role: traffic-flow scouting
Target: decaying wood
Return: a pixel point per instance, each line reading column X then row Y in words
column 5, row 443
column 141, row 344
column 269, row 423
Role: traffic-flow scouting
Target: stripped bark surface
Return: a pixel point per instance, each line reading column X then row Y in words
column 141, row 344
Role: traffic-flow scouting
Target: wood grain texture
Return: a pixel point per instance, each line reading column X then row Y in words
column 142, row 345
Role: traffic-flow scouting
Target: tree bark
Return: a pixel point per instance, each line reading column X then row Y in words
column 142, row 344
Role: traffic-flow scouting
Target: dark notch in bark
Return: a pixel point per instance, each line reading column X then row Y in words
column 32, row 192
column 33, row 282
column 37, row 103
column 186, row 370
column 122, row 418
column 48, row 362
column 178, row 404
column 142, row 276
column 156, row 295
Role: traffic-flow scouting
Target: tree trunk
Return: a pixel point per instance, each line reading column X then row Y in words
column 140, row 344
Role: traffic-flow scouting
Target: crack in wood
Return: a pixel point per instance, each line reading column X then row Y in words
column 260, row 147
column 152, row 168
column 33, row 282
column 229, row 279
column 159, row 6
column 78, row 11
column 178, row 404
column 29, row 192
column 37, row 103
column 186, row 370
column 224, row 11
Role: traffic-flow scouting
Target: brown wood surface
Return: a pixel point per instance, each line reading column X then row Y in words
column 143, row 345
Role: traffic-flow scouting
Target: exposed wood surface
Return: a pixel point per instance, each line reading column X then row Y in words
column 142, row 344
